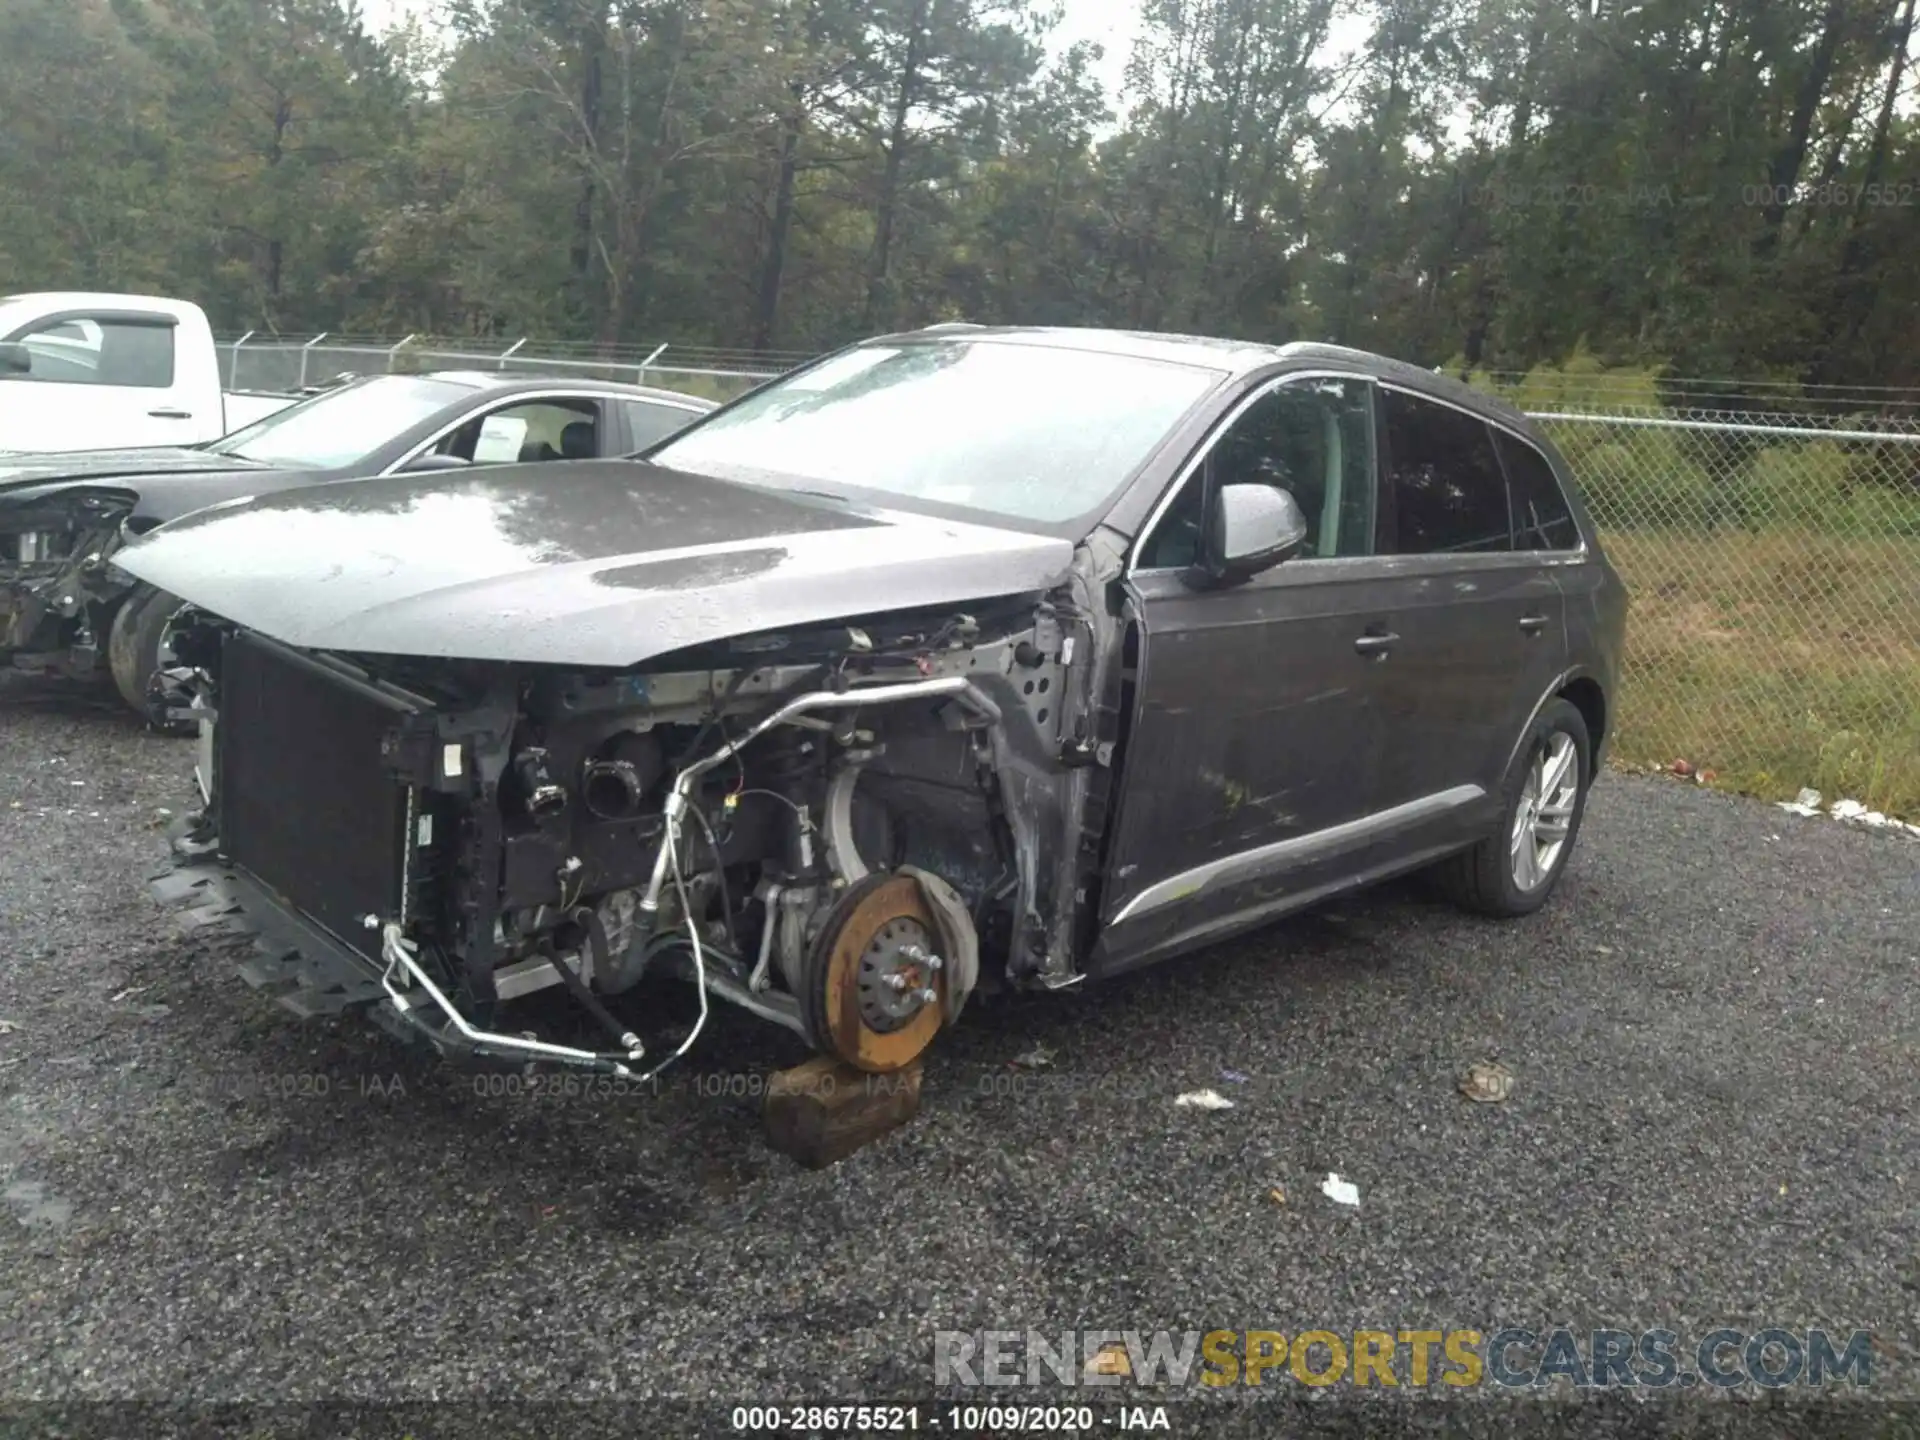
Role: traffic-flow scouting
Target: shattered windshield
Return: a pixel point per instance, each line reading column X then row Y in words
column 342, row 426
column 1022, row 431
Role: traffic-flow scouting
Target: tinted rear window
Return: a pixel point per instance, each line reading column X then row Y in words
column 1443, row 484
column 1542, row 519
column 651, row 423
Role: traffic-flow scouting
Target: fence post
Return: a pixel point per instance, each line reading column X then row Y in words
column 233, row 365
column 640, row 370
column 303, row 356
column 396, row 350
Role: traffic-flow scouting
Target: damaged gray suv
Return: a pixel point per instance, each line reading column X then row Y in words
column 962, row 658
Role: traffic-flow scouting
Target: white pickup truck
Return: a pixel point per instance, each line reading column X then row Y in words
column 91, row 372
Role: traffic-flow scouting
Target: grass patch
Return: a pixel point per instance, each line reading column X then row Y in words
column 1777, row 660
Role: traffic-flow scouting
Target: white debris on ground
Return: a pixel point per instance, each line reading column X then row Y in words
column 1203, row 1100
column 1807, row 804
column 1341, row 1192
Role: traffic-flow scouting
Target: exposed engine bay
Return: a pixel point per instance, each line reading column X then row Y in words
column 847, row 842
column 58, row 591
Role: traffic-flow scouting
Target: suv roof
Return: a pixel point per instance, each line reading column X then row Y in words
column 1235, row 357
column 495, row 380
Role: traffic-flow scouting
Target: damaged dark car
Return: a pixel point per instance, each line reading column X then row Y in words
column 66, row 607
column 959, row 659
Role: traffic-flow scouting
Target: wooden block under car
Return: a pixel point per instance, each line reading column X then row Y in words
column 824, row 1110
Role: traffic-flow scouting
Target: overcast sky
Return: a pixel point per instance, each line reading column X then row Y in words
column 1111, row 23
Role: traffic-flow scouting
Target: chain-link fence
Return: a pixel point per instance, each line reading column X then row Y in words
column 282, row 363
column 1774, row 640
column 1770, row 538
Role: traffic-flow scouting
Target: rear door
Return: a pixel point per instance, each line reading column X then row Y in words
column 100, row 380
column 1479, row 625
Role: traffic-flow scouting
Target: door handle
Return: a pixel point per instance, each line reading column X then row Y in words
column 170, row 414
column 1376, row 645
column 1533, row 624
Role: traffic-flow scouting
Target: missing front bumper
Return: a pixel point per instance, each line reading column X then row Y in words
column 297, row 962
column 309, row 972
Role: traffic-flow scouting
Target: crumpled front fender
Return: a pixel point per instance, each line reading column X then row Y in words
column 49, row 604
column 959, row 942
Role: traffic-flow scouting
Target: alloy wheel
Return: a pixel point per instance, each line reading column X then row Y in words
column 1544, row 816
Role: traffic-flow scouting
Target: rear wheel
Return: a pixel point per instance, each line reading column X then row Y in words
column 1513, row 870
column 137, row 646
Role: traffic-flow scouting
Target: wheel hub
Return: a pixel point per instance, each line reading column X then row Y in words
column 895, row 979
column 872, row 989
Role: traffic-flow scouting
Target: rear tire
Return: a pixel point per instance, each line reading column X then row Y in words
column 1513, row 871
column 133, row 649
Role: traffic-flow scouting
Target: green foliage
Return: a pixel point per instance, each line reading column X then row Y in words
column 1649, row 466
column 1776, row 658
column 1570, row 202
column 1664, row 188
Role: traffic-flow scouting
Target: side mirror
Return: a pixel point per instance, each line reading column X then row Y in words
column 1250, row 528
column 15, row 358
column 421, row 464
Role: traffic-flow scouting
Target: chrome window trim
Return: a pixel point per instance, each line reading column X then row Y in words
column 526, row 397
column 656, row 400
column 1165, row 580
column 1205, row 448
column 1452, row 405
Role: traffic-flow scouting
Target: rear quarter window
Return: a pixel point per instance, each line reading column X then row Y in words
column 1443, row 485
column 652, row 423
column 1542, row 519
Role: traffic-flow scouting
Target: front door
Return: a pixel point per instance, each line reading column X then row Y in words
column 1249, row 774
column 99, row 382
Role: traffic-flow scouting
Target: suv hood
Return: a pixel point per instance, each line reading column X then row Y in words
column 593, row 563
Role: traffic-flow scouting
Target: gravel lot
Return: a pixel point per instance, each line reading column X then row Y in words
column 1713, row 1030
